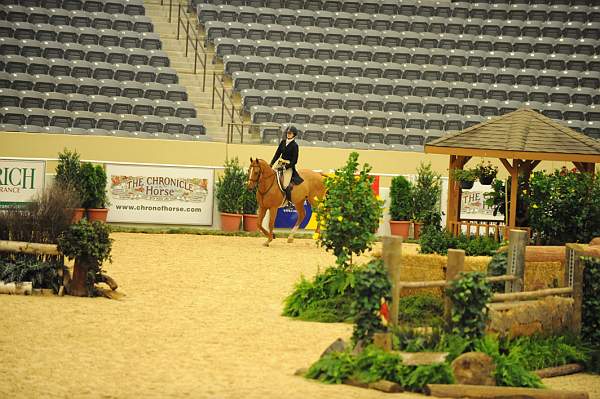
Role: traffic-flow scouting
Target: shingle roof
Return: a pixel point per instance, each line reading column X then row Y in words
column 523, row 130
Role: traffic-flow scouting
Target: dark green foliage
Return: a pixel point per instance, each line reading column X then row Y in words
column 497, row 267
column 92, row 186
column 67, row 170
column 510, row 369
column 421, row 310
column 350, row 212
column 564, row 207
column 230, row 188
column 373, row 364
column 496, row 199
column 435, row 240
column 89, row 243
column 327, row 298
column 538, row 352
column 333, row 368
column 469, row 295
column 465, row 175
column 401, row 199
column 590, row 318
column 20, row 267
column 426, row 191
column 414, row 378
column 371, row 285
column 250, row 203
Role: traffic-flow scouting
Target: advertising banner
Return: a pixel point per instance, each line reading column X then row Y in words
column 20, row 181
column 472, row 205
column 160, row 194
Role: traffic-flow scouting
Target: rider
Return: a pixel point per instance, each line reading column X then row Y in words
column 288, row 151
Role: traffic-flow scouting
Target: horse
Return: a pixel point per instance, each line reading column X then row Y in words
column 269, row 195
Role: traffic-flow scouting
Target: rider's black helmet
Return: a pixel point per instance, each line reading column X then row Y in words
column 292, row 129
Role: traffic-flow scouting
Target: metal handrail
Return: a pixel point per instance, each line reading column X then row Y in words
column 240, row 128
column 222, row 95
column 193, row 38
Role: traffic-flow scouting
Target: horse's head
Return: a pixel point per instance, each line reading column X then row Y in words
column 253, row 174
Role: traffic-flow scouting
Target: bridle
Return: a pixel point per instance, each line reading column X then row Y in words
column 255, row 181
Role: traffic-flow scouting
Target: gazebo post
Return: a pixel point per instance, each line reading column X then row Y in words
column 514, row 185
column 589, row 167
column 452, row 216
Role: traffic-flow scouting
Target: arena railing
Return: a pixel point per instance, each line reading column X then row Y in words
column 248, row 127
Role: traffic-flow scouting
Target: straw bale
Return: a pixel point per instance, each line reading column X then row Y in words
column 541, row 275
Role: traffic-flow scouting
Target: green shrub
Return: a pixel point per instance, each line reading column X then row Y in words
column 477, row 246
column 497, row 267
column 333, row 368
column 92, row 186
column 371, row 286
column 590, row 318
column 469, row 294
column 401, row 199
column 24, row 267
column 350, row 212
column 327, row 298
column 421, row 310
column 427, row 190
column 230, row 188
column 540, row 352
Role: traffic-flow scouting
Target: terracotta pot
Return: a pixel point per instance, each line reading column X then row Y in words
column 97, row 214
column 78, row 214
column 250, row 222
column 400, row 228
column 466, row 185
column 417, row 230
column 231, row 221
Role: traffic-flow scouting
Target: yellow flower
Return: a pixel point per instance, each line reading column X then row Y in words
column 339, row 218
column 315, row 236
column 378, row 197
column 534, row 206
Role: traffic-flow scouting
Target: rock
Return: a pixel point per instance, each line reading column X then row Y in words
column 474, row 368
column 355, row 383
column 359, row 347
column 337, row 346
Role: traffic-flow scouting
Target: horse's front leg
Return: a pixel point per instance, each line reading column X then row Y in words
column 261, row 215
column 301, row 214
column 272, row 215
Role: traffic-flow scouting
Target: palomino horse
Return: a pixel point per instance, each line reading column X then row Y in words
column 269, row 196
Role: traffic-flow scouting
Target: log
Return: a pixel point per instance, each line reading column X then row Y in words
column 557, row 371
column 108, row 281
column 386, row 386
column 28, row 247
column 422, row 358
column 517, row 296
column 444, row 283
column 491, row 392
column 110, row 294
column 24, row 288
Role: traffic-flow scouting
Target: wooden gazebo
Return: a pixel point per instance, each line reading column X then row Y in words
column 524, row 136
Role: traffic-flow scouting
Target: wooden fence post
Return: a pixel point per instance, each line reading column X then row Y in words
column 516, row 260
column 392, row 259
column 456, row 264
column 577, row 292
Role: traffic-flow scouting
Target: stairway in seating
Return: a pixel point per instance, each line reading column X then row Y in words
column 184, row 67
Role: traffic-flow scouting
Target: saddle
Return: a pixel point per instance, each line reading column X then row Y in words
column 284, row 177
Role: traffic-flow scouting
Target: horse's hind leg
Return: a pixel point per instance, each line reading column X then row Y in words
column 301, row 214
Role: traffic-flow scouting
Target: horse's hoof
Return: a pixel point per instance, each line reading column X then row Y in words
column 266, row 244
column 290, row 240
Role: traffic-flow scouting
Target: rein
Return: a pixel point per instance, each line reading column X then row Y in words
column 258, row 179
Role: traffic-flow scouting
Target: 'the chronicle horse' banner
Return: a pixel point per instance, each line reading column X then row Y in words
column 20, row 181
column 158, row 194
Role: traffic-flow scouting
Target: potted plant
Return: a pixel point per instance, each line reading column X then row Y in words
column 230, row 190
column 67, row 178
column 89, row 244
column 426, row 195
column 486, row 173
column 466, row 177
column 249, row 208
column 401, row 206
column 92, row 181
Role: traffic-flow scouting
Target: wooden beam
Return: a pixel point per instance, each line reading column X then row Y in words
column 456, row 264
column 565, row 369
column 28, row 247
column 514, row 194
column 492, row 392
column 507, row 165
column 392, row 259
column 444, row 283
column 539, row 156
column 518, row 296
